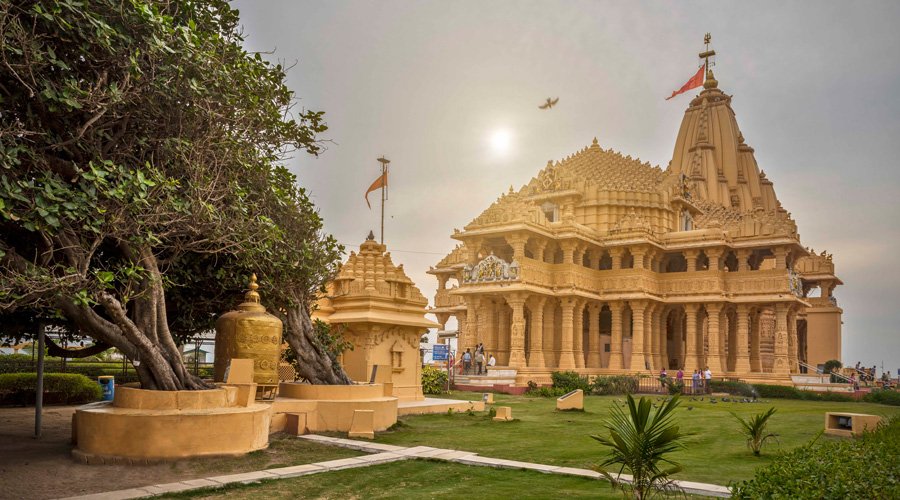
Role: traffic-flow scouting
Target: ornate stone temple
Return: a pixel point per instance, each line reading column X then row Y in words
column 603, row 264
column 382, row 313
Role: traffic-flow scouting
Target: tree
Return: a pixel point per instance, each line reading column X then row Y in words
column 140, row 150
column 640, row 442
column 754, row 428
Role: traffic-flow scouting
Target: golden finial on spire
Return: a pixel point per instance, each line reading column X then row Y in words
column 252, row 295
column 710, row 82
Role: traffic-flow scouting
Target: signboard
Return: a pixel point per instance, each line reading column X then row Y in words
column 440, row 352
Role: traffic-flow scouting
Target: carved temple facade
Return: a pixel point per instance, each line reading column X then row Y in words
column 603, row 264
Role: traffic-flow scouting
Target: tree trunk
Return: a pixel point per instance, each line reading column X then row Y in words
column 314, row 363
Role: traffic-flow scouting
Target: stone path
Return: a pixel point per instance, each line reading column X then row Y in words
column 380, row 454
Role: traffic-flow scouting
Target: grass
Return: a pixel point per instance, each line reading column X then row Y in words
column 418, row 479
column 717, row 453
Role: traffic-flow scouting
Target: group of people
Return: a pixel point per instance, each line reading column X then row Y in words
column 699, row 380
column 479, row 358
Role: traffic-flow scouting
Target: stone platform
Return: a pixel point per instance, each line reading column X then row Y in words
column 435, row 405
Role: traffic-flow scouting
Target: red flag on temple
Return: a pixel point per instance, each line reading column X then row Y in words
column 380, row 183
column 694, row 82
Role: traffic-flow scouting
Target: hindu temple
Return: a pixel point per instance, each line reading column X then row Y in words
column 604, row 264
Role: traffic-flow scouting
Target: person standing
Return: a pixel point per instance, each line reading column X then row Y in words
column 695, row 382
column 707, row 379
column 479, row 360
column 467, row 361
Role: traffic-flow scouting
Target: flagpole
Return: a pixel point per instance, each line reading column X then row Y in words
column 384, row 168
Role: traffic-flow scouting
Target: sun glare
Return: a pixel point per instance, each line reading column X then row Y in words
column 501, row 140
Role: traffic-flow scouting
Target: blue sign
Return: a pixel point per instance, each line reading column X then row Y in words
column 440, row 352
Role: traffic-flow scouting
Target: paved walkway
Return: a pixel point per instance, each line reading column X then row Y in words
column 380, row 454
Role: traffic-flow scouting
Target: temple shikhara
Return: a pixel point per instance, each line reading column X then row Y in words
column 603, row 264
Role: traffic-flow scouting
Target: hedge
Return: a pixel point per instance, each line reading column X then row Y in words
column 59, row 388
column 866, row 467
column 788, row 392
column 883, row 396
column 615, row 385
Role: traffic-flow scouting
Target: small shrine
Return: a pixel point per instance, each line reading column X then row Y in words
column 377, row 308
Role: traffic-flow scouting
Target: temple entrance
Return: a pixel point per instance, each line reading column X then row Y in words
column 802, row 339
column 673, row 354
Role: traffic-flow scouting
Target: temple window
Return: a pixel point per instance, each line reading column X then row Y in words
column 731, row 261
column 675, row 263
column 605, row 347
column 702, row 262
column 551, row 211
column 558, row 256
column 605, row 261
column 397, row 357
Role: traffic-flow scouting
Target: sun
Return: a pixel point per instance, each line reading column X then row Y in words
column 501, row 140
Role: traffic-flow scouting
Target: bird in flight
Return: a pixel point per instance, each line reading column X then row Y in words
column 549, row 104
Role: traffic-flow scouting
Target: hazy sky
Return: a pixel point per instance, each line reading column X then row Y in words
column 434, row 85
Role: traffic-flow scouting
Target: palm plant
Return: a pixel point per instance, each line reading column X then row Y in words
column 640, row 441
column 755, row 430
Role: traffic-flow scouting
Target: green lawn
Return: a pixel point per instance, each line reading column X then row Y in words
column 715, row 454
column 419, row 479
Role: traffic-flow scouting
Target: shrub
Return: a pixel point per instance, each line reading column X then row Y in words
column 570, row 381
column 545, row 392
column 885, row 397
column 616, row 385
column 59, row 388
column 835, row 469
column 674, row 386
column 641, row 442
column 754, row 428
column 733, row 387
column 434, row 380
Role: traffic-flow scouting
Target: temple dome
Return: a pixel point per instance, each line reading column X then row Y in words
column 711, row 152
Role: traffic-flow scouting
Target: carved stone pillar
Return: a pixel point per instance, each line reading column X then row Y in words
column 503, row 333
column 539, row 245
column 742, row 349
column 742, row 257
column 594, row 344
column 462, row 325
column 615, row 347
column 517, row 330
column 782, row 366
column 638, row 351
column 714, row 358
column 517, row 242
column 536, row 339
column 780, row 257
column 550, row 333
column 659, row 332
column 578, row 255
column 691, row 359
column 616, row 255
column 714, row 255
column 691, row 257
column 568, row 248
column 792, row 343
column 566, row 356
column 578, row 327
column 638, row 257
column 755, row 362
column 472, row 334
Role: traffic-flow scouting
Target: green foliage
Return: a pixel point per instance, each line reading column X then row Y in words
column 884, row 396
column 569, row 381
column 788, row 392
column 865, row 467
column 434, row 380
column 492, row 412
column 141, row 158
column 615, row 385
column 754, row 428
column 733, row 387
column 831, row 365
column 59, row 388
column 674, row 386
column 640, row 443
column 546, row 392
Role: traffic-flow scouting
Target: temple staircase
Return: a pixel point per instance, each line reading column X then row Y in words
column 814, row 380
column 499, row 378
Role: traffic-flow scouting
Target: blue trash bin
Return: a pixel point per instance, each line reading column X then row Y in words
column 108, row 383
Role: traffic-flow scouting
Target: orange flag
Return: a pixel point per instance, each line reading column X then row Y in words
column 380, row 182
column 694, row 82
